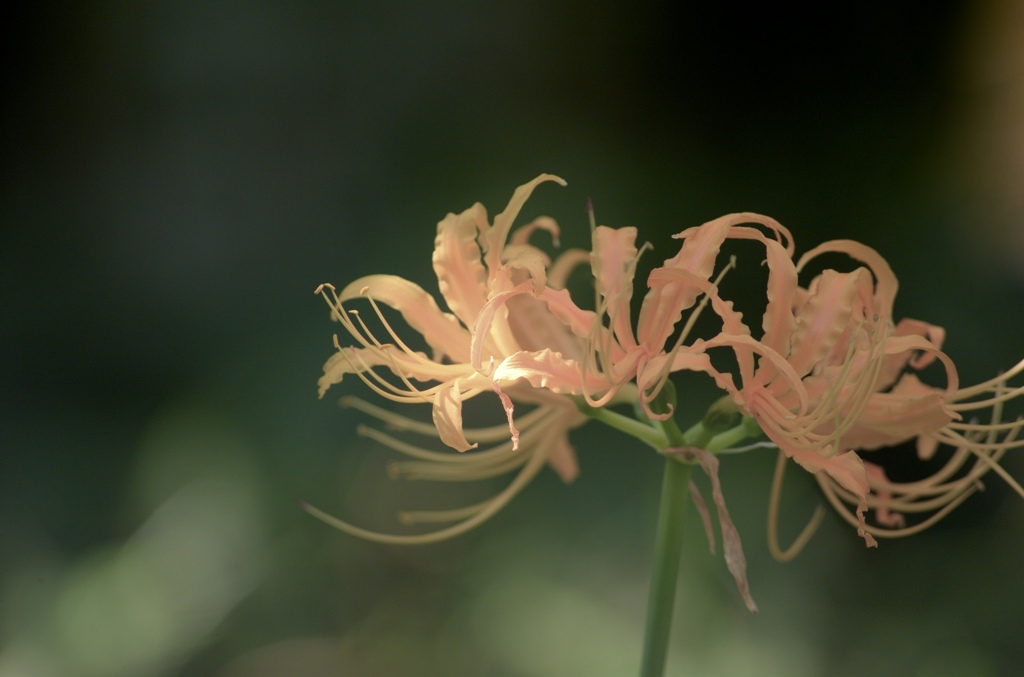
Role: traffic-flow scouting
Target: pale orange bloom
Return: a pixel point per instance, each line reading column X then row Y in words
column 821, row 373
column 511, row 328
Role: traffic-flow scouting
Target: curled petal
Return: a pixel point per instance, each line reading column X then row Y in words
column 530, row 259
column 522, row 234
column 578, row 321
column 482, row 326
column 896, row 362
column 899, row 345
column 506, row 403
column 782, row 235
column 911, row 409
column 564, row 265
column 779, row 324
column 752, row 385
column 687, row 359
column 461, row 276
column 732, row 320
column 886, row 283
column 847, row 469
column 548, row 370
column 664, row 303
column 827, row 314
column 612, row 262
column 447, row 415
column 441, row 330
column 494, row 239
column 535, row 327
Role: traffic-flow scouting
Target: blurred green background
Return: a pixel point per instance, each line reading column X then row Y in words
column 178, row 178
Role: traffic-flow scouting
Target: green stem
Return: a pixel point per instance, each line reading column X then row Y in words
column 747, row 428
column 715, row 430
column 647, row 434
column 668, row 549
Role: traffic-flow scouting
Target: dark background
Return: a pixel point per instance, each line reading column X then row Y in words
column 178, row 177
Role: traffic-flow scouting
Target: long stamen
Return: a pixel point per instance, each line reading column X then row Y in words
column 831, row 403
column 441, row 472
column 1001, row 471
column 389, row 390
column 933, row 493
column 982, row 404
column 496, row 433
column 828, row 487
column 455, row 459
column 993, row 383
column 773, row 518
column 429, row 516
column 955, row 439
column 529, row 471
column 933, row 484
column 391, row 332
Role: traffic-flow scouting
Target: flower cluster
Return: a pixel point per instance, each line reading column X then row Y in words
column 830, row 376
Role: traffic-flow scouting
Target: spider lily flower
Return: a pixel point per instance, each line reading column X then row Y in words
column 510, row 328
column 827, row 356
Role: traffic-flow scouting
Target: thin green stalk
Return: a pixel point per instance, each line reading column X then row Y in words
column 647, row 434
column 668, row 548
column 717, row 428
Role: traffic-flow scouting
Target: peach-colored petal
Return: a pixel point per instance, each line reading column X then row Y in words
column 910, row 410
column 895, row 363
column 482, row 326
column 522, row 234
column 535, row 327
column 447, row 415
column 461, row 275
column 848, row 471
column 578, row 321
column 506, row 403
column 732, row 320
column 563, row 266
column 886, row 283
column 548, row 370
column 664, row 303
column 530, row 259
column 494, row 239
column 827, row 315
column 779, row 324
column 782, row 235
column 691, row 358
column 612, row 262
column 790, row 378
column 897, row 345
column 441, row 331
